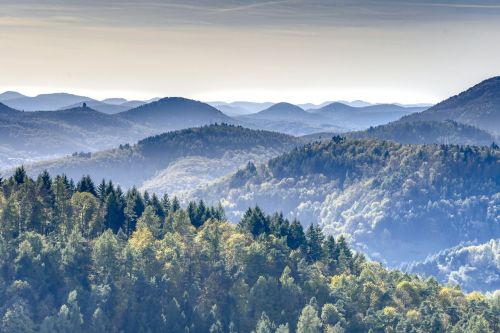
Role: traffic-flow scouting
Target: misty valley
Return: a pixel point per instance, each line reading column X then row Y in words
column 176, row 215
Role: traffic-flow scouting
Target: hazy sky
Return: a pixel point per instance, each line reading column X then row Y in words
column 291, row 50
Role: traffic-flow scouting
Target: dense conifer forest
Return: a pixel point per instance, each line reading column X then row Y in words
column 87, row 257
column 396, row 202
column 428, row 132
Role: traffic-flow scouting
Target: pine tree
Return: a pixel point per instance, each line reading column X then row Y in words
column 167, row 206
column 101, row 191
column 280, row 226
column 296, row 237
column 175, row 204
column 344, row 254
column 20, row 175
column 115, row 216
column 331, row 252
column 134, row 207
column 157, row 206
column 314, row 243
column 86, row 185
column 44, row 187
column 255, row 222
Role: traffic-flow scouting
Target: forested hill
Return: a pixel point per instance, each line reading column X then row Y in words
column 478, row 106
column 87, row 258
column 397, row 202
column 428, row 132
column 28, row 136
column 213, row 140
column 82, row 129
column 175, row 113
column 283, row 111
column 175, row 160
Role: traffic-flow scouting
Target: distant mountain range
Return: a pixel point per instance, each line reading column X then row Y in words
column 61, row 101
column 470, row 118
column 245, row 108
column 44, row 102
column 103, row 107
column 362, row 117
column 64, row 131
column 240, row 108
column 335, row 117
column 31, row 136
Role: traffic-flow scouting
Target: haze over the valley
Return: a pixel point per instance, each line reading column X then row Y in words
column 274, row 166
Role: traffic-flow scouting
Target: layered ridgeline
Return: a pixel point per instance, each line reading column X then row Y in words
column 63, row 101
column 175, row 161
column 90, row 258
column 478, row 106
column 27, row 136
column 472, row 266
column 427, row 132
column 240, row 108
column 104, row 107
column 291, row 119
column 336, row 117
column 39, row 135
column 357, row 118
column 396, row 202
column 43, row 102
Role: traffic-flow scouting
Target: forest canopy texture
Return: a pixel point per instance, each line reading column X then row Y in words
column 90, row 258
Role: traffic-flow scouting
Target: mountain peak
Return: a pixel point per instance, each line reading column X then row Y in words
column 176, row 103
column 284, row 105
column 8, row 95
column 282, row 109
column 172, row 113
column 114, row 101
column 478, row 106
column 335, row 106
column 485, row 89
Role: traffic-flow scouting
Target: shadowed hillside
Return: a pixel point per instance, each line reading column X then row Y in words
column 478, row 106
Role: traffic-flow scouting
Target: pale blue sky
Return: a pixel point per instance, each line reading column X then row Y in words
column 298, row 51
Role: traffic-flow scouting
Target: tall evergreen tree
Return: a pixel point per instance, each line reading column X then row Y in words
column 296, row 237
column 314, row 243
column 20, row 175
column 255, row 222
column 86, row 185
